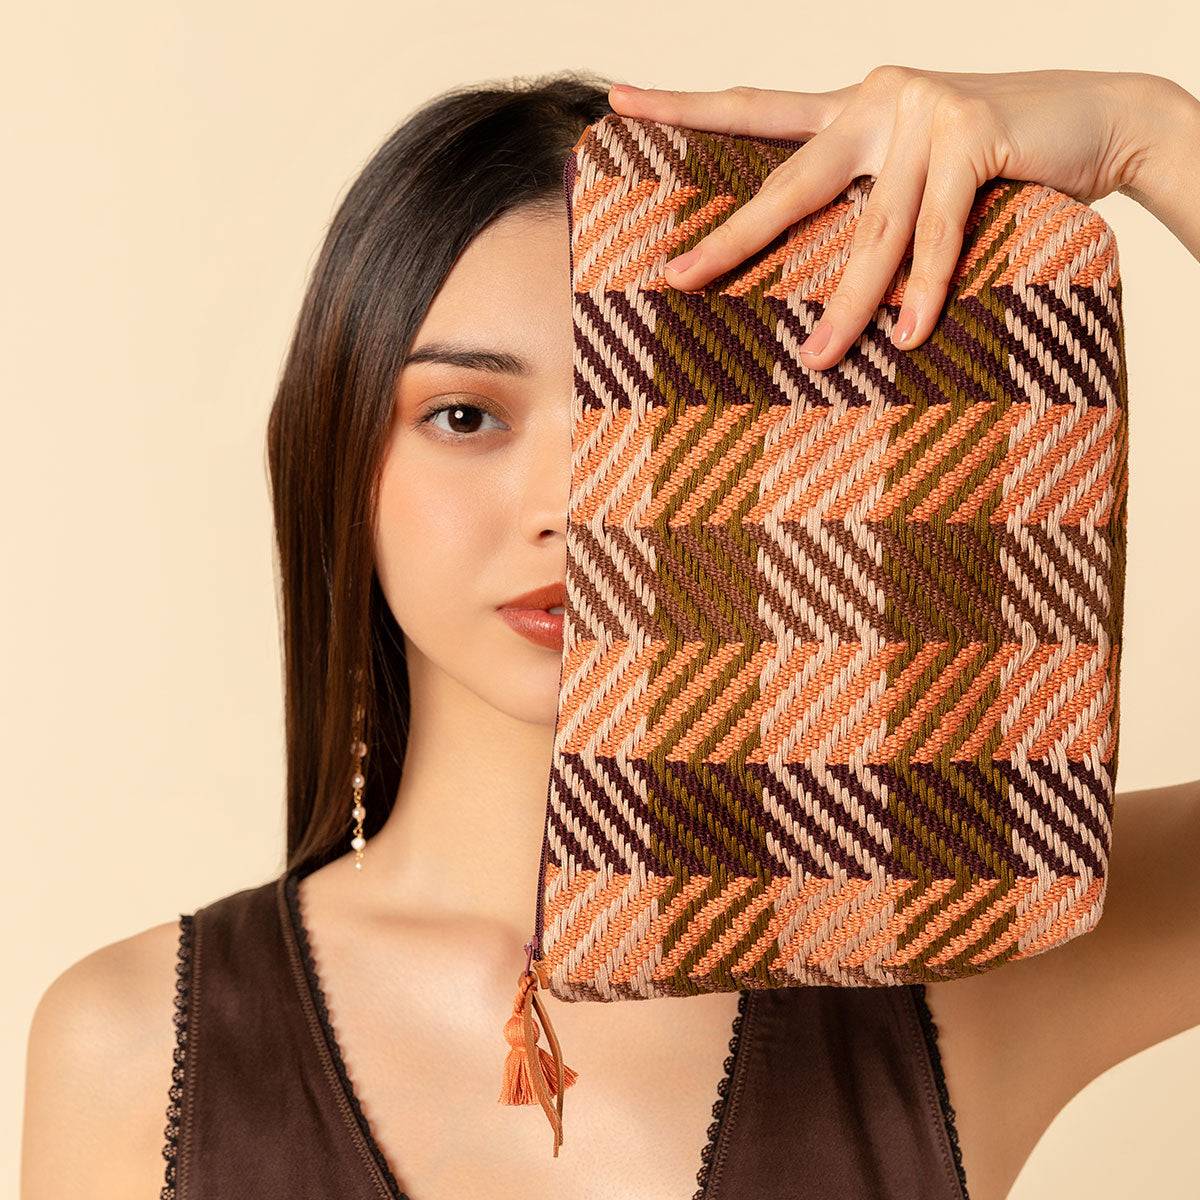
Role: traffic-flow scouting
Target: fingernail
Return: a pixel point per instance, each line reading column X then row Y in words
column 685, row 261
column 625, row 87
column 904, row 326
column 817, row 340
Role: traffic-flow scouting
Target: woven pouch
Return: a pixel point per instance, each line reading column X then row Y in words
column 838, row 701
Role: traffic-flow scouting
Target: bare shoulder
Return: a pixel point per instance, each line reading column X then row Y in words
column 1044, row 1027
column 100, row 1056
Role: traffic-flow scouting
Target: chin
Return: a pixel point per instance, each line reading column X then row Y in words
column 527, row 695
column 532, row 709
column 523, row 683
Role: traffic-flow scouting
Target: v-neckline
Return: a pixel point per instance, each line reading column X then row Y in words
column 316, row 995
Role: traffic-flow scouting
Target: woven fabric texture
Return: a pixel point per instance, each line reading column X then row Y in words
column 838, row 700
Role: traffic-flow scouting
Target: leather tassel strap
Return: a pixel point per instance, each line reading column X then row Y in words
column 522, row 1083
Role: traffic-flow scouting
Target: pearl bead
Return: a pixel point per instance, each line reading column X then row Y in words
column 358, row 781
column 358, row 812
column 358, row 843
column 358, row 749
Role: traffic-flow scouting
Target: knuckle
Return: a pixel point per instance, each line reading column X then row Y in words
column 845, row 302
column 777, row 178
column 737, row 103
column 918, row 94
column 955, row 114
column 874, row 228
column 934, row 232
column 916, row 288
column 729, row 240
column 915, row 291
column 771, row 180
column 888, row 78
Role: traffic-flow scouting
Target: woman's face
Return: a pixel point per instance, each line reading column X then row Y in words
column 476, row 474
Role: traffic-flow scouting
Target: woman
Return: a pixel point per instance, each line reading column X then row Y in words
column 420, row 483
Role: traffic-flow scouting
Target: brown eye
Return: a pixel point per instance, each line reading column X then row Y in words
column 462, row 419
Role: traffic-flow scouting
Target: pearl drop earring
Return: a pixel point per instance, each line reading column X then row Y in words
column 358, row 748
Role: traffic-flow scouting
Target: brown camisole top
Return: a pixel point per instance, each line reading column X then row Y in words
column 828, row 1092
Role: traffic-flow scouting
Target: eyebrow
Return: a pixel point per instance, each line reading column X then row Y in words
column 472, row 358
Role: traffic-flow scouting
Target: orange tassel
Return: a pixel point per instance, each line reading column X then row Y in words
column 522, row 1082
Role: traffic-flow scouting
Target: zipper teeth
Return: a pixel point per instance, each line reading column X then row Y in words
column 537, row 925
column 567, row 180
column 775, row 141
column 541, row 880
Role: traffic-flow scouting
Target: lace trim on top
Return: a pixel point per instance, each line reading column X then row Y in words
column 930, row 1030
column 718, row 1108
column 291, row 891
column 183, row 996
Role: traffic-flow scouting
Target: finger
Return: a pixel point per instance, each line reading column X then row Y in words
column 949, row 195
column 813, row 176
column 881, row 236
column 750, row 111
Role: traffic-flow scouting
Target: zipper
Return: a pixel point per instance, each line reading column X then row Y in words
column 790, row 143
column 536, row 945
column 568, row 180
column 541, row 884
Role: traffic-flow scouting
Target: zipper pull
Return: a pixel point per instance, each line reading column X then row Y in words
column 521, row 1082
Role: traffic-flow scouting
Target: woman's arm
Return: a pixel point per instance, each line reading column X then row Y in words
column 930, row 139
column 1165, row 176
column 1020, row 1041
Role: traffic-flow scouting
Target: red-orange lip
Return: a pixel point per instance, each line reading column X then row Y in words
column 533, row 624
column 550, row 595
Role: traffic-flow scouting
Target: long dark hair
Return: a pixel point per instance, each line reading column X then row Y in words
column 458, row 163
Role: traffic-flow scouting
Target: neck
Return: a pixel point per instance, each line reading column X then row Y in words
column 464, row 838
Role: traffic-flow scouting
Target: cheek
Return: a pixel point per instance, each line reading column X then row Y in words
column 434, row 532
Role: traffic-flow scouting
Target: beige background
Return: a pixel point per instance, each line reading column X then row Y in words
column 170, row 170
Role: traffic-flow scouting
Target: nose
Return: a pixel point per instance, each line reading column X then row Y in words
column 548, row 478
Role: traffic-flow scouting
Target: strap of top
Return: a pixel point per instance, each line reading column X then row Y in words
column 835, row 1094
column 261, row 1111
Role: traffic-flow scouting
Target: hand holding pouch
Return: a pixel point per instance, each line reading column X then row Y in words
column 838, row 700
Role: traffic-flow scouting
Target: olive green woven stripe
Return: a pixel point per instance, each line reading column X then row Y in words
column 908, row 533
column 983, row 374
column 997, row 229
column 700, row 560
column 718, row 168
column 687, row 922
column 703, row 342
column 685, row 547
column 731, row 330
column 662, row 783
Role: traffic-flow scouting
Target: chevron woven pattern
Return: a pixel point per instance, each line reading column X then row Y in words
column 838, row 702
